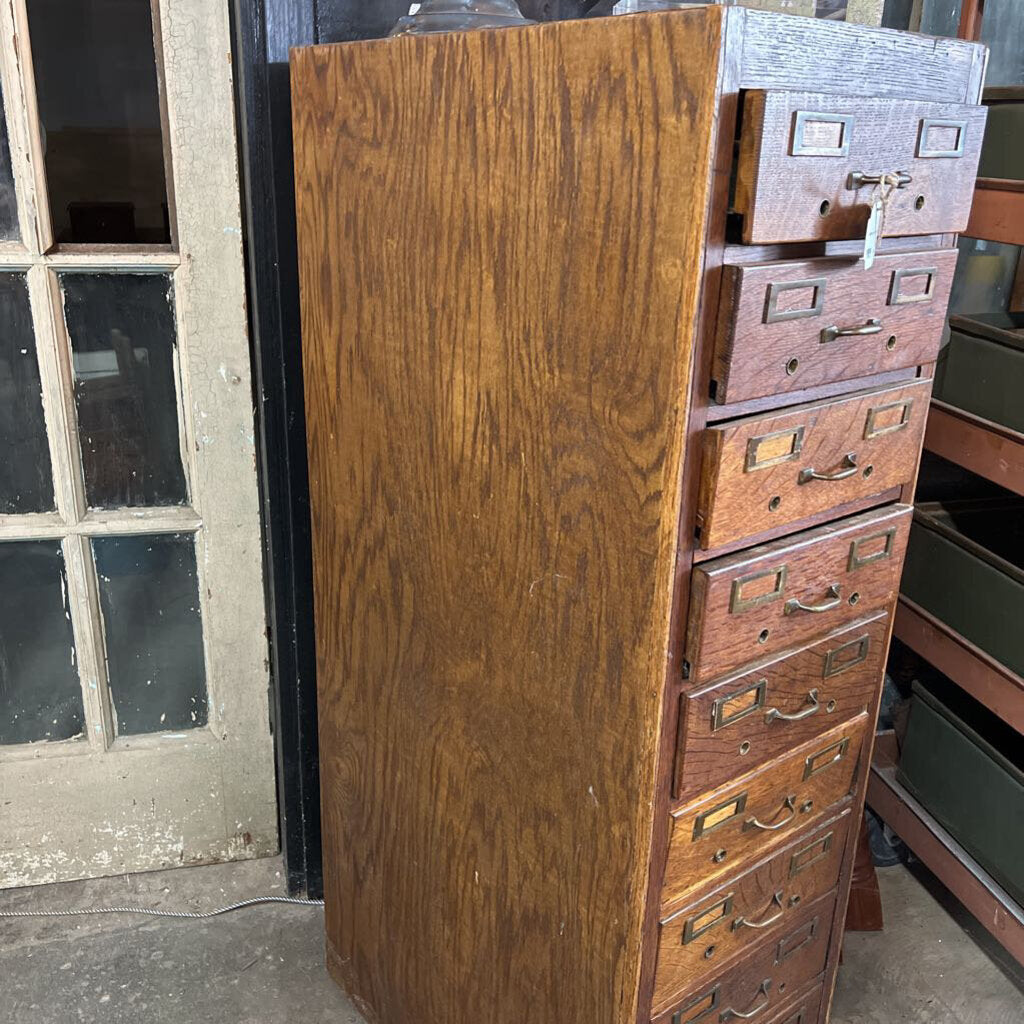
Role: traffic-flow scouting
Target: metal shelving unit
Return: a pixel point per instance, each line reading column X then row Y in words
column 995, row 452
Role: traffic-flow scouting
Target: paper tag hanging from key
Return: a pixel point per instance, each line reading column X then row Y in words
column 874, row 231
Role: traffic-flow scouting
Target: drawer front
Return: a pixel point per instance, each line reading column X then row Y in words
column 801, row 155
column 756, row 715
column 795, row 324
column 762, row 472
column 781, row 595
column 716, row 835
column 694, row 940
column 762, row 984
column 804, row 1010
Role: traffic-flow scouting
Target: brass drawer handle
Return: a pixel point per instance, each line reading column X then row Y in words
column 858, row 179
column 797, row 716
column 789, row 803
column 795, row 605
column 870, row 326
column 742, row 922
column 729, row 1013
column 849, row 461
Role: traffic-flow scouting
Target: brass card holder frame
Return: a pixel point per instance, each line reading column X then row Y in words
column 715, row 997
column 739, row 604
column 927, row 123
column 720, row 719
column 818, row 762
column 692, row 931
column 751, row 462
column 800, row 147
column 772, row 315
column 858, row 561
column 788, row 945
column 871, row 431
column 899, row 276
column 834, row 667
column 798, row 866
column 700, row 829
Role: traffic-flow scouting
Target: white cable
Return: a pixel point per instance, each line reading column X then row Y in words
column 190, row 914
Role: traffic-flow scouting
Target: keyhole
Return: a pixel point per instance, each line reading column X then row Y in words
column 919, row 203
column 825, row 208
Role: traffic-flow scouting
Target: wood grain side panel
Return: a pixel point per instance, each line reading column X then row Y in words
column 726, row 633
column 497, row 234
column 769, row 338
column 857, row 446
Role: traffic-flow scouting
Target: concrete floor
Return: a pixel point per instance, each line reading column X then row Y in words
column 265, row 965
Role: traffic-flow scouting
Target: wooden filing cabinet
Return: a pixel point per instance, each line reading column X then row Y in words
column 613, row 438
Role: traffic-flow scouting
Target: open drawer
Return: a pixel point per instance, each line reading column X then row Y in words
column 808, row 163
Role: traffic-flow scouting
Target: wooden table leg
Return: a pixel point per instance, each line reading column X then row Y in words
column 864, row 912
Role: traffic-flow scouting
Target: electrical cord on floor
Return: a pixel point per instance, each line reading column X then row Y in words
column 188, row 914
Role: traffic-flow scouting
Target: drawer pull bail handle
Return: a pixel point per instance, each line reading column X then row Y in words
column 729, row 1013
column 789, row 803
column 795, row 605
column 858, row 179
column 742, row 922
column 870, row 326
column 797, row 716
column 849, row 462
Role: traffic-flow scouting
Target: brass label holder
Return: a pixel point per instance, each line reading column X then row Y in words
column 739, row 604
column 772, row 314
column 926, row 152
column 720, row 715
column 836, row 663
column 871, row 428
column 803, row 145
column 858, row 561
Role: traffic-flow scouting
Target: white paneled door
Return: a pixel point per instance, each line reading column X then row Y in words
column 134, row 728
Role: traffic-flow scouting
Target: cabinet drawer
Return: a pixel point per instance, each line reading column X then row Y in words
column 718, row 833
column 693, row 940
column 794, row 324
column 780, row 595
column 766, row 471
column 803, row 1010
column 801, row 154
column 762, row 712
column 761, row 985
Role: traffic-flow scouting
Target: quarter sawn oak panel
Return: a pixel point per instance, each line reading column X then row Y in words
column 497, row 346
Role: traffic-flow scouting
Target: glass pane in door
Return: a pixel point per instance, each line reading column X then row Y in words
column 40, row 695
column 9, row 229
column 26, row 481
column 99, row 108
column 122, row 335
column 152, row 625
